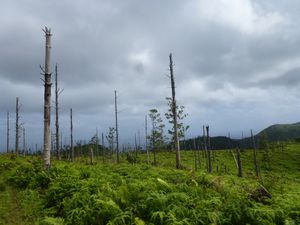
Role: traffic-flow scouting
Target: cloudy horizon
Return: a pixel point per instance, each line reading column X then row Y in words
column 236, row 64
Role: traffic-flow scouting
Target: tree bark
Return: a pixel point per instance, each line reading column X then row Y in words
column 209, row 150
column 57, row 141
column 174, row 111
column 239, row 161
column 47, row 102
column 7, row 133
column 117, row 131
column 71, row 128
column 17, row 126
column 146, row 140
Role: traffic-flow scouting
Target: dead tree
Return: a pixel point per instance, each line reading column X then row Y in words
column 174, row 111
column 103, row 150
column 91, row 156
column 254, row 156
column 205, row 148
column 71, row 128
column 146, row 139
column 117, row 131
column 47, row 101
column 135, row 147
column 57, row 93
column 24, row 142
column 17, row 126
column 209, row 150
column 7, row 133
column 239, row 162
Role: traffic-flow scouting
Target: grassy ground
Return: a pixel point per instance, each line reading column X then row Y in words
column 140, row 193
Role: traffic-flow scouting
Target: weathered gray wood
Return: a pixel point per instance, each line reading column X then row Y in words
column 174, row 111
column 239, row 161
column 146, row 139
column 91, row 156
column 7, row 133
column 17, row 126
column 117, row 131
column 71, row 129
column 57, row 141
column 24, row 142
column 209, row 150
column 47, row 101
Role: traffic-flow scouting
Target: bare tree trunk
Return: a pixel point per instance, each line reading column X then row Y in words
column 96, row 144
column 117, row 131
column 239, row 161
column 57, row 92
column 80, row 149
column 17, row 126
column 7, row 133
column 103, row 150
column 135, row 147
column 195, row 154
column 71, row 128
column 254, row 156
column 205, row 148
column 146, row 143
column 174, row 111
column 209, row 150
column 91, row 156
column 153, row 146
column 47, row 102
column 24, row 142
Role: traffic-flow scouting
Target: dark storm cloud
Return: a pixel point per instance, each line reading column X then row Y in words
column 238, row 54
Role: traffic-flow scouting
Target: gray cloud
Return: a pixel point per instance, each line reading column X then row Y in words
column 233, row 59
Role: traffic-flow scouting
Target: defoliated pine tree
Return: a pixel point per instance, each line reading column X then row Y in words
column 157, row 134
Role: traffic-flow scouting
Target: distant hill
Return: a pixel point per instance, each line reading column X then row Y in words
column 277, row 132
column 281, row 132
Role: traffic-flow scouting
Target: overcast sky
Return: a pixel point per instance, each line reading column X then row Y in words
column 237, row 63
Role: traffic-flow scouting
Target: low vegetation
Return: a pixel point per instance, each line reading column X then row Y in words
column 139, row 193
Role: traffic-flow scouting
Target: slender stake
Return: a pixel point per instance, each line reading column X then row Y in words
column 117, row 131
column 174, row 111
column 209, row 150
column 71, row 128
column 146, row 139
column 17, row 126
column 7, row 133
column 57, row 142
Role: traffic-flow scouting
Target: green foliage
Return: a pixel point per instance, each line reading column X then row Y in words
column 142, row 194
column 180, row 117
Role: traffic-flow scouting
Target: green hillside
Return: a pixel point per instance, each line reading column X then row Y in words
column 281, row 132
column 274, row 133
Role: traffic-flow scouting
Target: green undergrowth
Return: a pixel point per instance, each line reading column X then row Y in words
column 77, row 193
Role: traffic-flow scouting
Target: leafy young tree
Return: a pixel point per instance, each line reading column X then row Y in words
column 180, row 116
column 157, row 134
column 110, row 137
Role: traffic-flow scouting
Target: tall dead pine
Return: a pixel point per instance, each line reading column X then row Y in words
column 47, row 101
column 209, row 150
column 117, row 131
column 174, row 112
column 17, row 126
column 239, row 162
column 7, row 133
column 57, row 93
column 71, row 129
column 254, row 156
column 146, row 140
